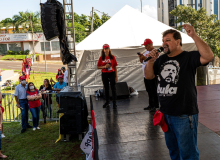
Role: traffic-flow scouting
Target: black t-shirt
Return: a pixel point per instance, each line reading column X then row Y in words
column 176, row 83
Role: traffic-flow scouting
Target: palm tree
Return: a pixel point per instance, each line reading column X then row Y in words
column 8, row 22
column 30, row 21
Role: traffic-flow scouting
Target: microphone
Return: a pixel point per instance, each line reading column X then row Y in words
column 158, row 50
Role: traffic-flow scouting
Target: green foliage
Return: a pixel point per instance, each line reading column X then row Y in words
column 105, row 17
column 80, row 33
column 207, row 27
column 9, row 52
column 31, row 22
column 26, row 52
column 28, row 20
column 97, row 22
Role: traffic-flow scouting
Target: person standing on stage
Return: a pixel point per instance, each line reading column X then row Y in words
column 108, row 65
column 22, row 102
column 175, row 71
column 150, row 85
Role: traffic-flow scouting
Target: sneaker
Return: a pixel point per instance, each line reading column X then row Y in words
column 106, row 105
column 38, row 127
column 34, row 129
column 148, row 108
column 23, row 130
column 3, row 136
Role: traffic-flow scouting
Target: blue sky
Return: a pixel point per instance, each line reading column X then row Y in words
column 12, row 7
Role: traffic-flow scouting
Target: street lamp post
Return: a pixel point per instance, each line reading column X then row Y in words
column 45, row 55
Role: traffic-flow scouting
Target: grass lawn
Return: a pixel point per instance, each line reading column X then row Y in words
column 14, row 57
column 39, row 144
column 37, row 78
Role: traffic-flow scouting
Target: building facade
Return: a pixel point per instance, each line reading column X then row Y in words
column 164, row 7
column 23, row 41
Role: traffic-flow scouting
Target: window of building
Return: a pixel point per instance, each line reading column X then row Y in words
column 3, row 49
column 15, row 47
column 55, row 46
column 216, row 8
column 171, row 6
column 158, row 3
column 47, row 46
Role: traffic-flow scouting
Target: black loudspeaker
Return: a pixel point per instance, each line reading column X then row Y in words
column 74, row 107
column 122, row 90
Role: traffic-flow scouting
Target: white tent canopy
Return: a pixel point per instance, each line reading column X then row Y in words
column 128, row 27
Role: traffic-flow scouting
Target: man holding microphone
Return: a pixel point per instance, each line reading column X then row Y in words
column 150, row 85
column 175, row 71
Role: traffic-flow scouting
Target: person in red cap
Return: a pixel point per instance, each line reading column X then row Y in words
column 175, row 71
column 108, row 65
column 22, row 102
column 59, row 73
column 150, row 85
column 58, row 87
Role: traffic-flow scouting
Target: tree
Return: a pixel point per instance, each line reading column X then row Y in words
column 80, row 33
column 207, row 27
column 8, row 22
column 97, row 22
column 84, row 20
column 105, row 17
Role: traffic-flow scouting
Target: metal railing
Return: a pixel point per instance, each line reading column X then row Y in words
column 13, row 114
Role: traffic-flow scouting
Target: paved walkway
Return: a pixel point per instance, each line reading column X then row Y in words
column 37, row 66
column 128, row 133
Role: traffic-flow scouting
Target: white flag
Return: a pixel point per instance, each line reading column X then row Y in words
column 86, row 145
column 89, row 156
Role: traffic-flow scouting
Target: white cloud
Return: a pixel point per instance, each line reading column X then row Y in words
column 150, row 11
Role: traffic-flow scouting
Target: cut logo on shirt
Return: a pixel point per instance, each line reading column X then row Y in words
column 168, row 78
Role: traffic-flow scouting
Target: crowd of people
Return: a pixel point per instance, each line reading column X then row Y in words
column 28, row 97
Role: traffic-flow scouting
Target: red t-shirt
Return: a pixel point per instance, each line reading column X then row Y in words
column 58, row 75
column 107, row 61
column 34, row 104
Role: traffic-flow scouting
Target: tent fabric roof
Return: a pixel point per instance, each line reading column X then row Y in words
column 128, row 27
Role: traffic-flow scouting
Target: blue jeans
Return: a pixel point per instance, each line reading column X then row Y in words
column 35, row 116
column 0, row 78
column 181, row 137
column 24, row 112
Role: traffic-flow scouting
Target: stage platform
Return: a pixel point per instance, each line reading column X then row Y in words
column 128, row 132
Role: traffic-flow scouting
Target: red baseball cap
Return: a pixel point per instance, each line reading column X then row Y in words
column 105, row 46
column 22, row 78
column 160, row 121
column 147, row 41
column 60, row 76
column 59, row 69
